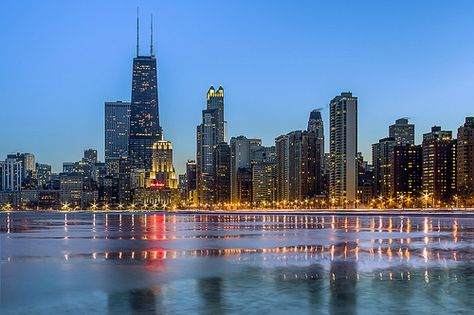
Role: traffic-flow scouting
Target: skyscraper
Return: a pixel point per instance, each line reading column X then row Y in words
column 402, row 131
column 145, row 127
column 43, row 174
column 439, row 164
column 382, row 154
column 343, row 148
column 11, row 174
column 208, row 134
column 465, row 159
column 117, row 130
column 90, row 156
column 163, row 174
column 191, row 185
column 407, row 170
column 222, row 172
column 242, row 149
column 316, row 125
column 282, row 148
column 215, row 101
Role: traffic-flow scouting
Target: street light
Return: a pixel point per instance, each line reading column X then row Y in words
column 65, row 206
column 456, row 198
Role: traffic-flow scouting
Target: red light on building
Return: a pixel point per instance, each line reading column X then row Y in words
column 157, row 185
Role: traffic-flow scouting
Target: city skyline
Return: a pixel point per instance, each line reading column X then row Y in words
column 81, row 127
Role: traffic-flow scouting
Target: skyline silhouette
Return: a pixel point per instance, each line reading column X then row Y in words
column 277, row 62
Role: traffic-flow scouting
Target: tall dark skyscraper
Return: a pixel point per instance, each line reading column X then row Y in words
column 117, row 126
column 465, row 159
column 209, row 133
column 145, row 127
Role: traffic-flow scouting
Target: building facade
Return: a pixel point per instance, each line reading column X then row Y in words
column 242, row 154
column 282, row 148
column 407, row 170
column 222, row 165
column 163, row 174
column 343, row 149
column 402, row 132
column 465, row 160
column 382, row 155
column 439, row 164
column 117, row 131
column 145, row 129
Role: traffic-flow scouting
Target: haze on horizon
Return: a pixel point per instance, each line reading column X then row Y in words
column 276, row 61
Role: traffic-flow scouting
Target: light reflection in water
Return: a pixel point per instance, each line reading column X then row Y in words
column 342, row 250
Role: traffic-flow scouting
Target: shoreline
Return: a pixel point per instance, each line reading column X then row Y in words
column 469, row 212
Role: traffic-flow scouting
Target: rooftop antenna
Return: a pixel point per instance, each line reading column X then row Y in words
column 151, row 42
column 138, row 31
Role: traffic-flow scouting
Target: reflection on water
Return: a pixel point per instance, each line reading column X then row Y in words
column 215, row 264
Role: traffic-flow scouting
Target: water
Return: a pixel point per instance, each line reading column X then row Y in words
column 87, row 263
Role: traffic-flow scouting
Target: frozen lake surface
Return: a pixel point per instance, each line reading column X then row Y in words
column 155, row 263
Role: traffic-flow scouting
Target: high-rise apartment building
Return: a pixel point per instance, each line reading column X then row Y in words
column 343, row 148
column 407, row 170
column 402, row 131
column 242, row 154
column 282, row 148
column 12, row 170
column 382, row 154
column 191, row 186
column 316, row 125
column 43, row 174
column 117, row 130
column 222, row 165
column 465, row 159
column 90, row 156
column 439, row 164
column 304, row 175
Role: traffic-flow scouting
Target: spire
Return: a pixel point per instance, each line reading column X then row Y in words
column 151, row 41
column 138, row 31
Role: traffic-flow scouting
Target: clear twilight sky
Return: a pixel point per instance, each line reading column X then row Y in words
column 277, row 60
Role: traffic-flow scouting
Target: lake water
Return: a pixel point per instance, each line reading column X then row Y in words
column 154, row 263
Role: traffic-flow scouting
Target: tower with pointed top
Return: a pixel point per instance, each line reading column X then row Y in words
column 145, row 127
column 210, row 133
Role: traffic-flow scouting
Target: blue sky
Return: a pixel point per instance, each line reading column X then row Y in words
column 277, row 60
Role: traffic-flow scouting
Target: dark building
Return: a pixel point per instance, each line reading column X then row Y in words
column 263, row 166
column 117, row 130
column 90, row 156
column 305, row 165
column 282, row 148
column 316, row 125
column 124, row 193
column 43, row 175
column 208, row 134
column 407, row 170
column 465, row 160
column 244, row 185
column 439, row 164
column 191, row 193
column 243, row 152
column 402, row 131
column 365, row 187
column 382, row 153
column 145, row 127
column 222, row 172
